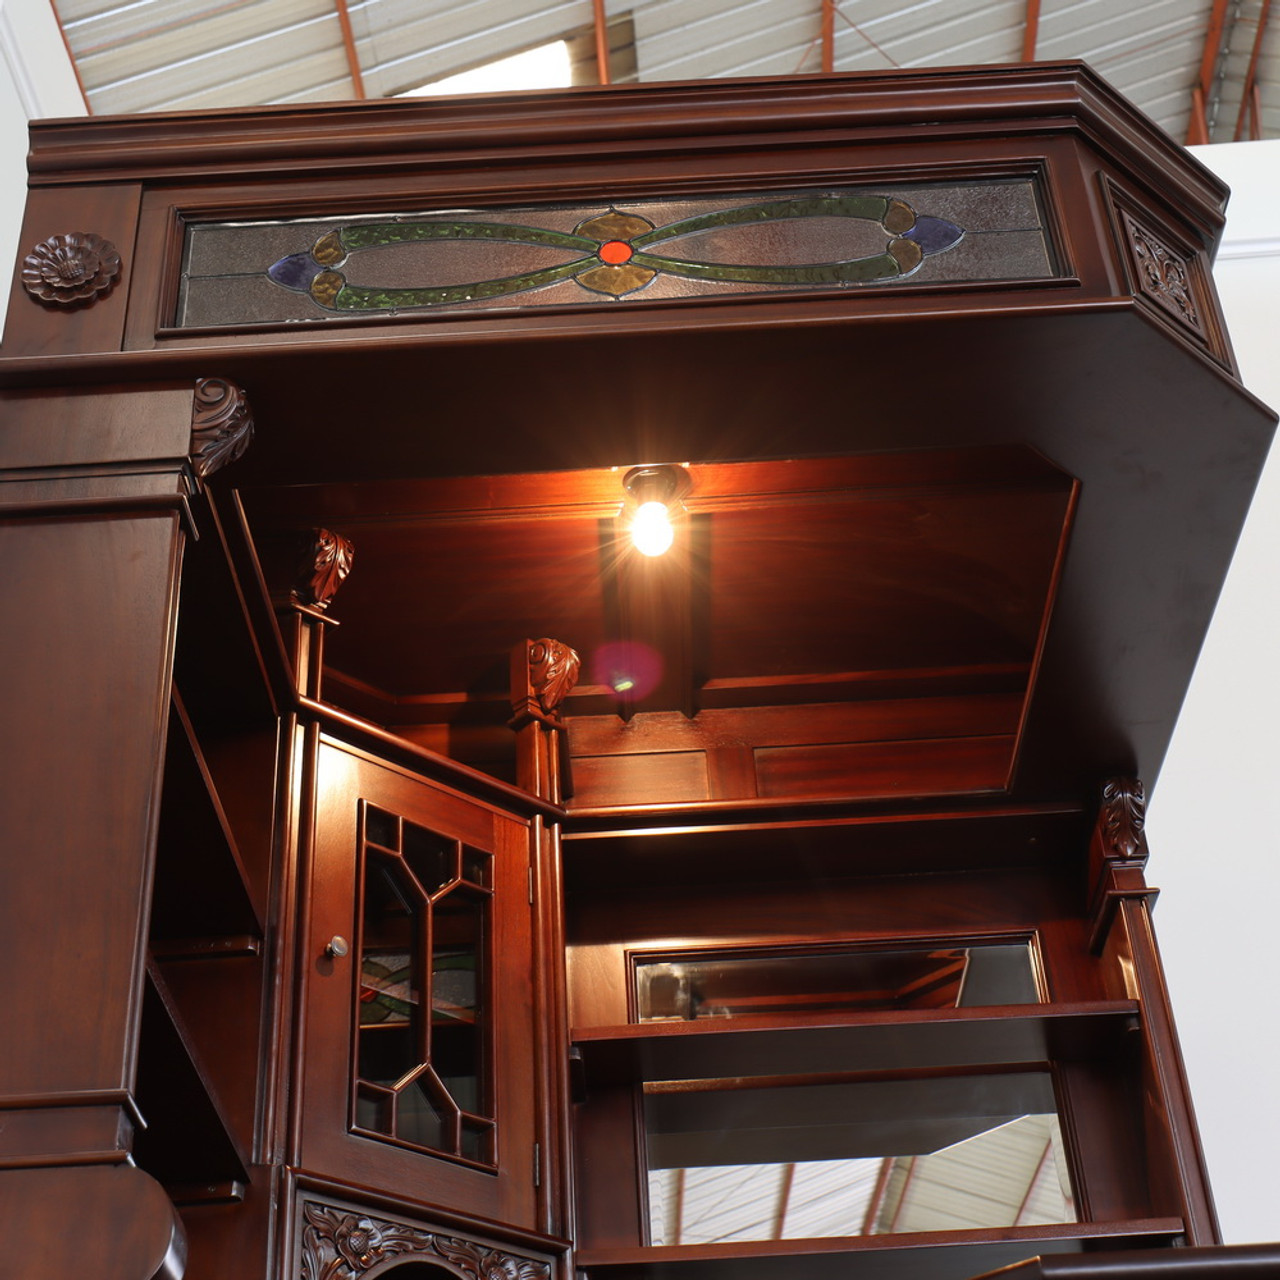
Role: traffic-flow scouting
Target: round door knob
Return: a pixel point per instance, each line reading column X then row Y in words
column 337, row 947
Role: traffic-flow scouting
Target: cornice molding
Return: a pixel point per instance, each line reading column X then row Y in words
column 334, row 138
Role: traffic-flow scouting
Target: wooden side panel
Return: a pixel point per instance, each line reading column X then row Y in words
column 35, row 328
column 85, row 655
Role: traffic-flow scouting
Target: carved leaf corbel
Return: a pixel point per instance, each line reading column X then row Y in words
column 221, row 425
column 1123, row 818
column 324, row 568
column 553, row 671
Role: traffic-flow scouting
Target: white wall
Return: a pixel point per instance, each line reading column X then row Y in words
column 1215, row 814
column 1214, row 821
column 36, row 81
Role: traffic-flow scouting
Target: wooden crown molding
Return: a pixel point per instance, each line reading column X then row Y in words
column 331, row 139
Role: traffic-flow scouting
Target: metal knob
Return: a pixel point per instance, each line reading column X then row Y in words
column 337, row 947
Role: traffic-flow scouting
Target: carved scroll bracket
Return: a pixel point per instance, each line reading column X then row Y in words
column 1118, row 854
column 221, row 426
column 338, row 1244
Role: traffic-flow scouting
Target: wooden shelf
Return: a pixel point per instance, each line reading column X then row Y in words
column 187, row 1140
column 940, row 1255
column 909, row 1039
column 201, row 888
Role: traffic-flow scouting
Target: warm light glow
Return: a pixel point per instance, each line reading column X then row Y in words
column 651, row 530
column 546, row 67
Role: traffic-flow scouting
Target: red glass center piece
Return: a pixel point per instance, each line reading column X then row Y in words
column 615, row 252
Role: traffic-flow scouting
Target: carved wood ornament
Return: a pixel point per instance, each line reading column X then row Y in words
column 340, row 1245
column 221, row 425
column 1123, row 817
column 324, row 569
column 1163, row 275
column 553, row 671
column 71, row 269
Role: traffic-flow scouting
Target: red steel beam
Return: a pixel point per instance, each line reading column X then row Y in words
column 828, row 35
column 349, row 44
column 1202, row 90
column 1031, row 31
column 1250, row 98
column 602, row 41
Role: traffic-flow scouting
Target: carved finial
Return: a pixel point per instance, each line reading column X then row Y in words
column 72, row 268
column 324, row 568
column 553, row 671
column 221, row 425
column 1123, row 817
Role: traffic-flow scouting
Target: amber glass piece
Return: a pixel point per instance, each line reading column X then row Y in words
column 616, row 280
column 614, row 226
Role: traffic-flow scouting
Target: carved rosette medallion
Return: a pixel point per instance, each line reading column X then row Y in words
column 221, row 425
column 1163, row 275
column 1123, row 817
column 338, row 1244
column 553, row 671
column 71, row 269
column 324, row 568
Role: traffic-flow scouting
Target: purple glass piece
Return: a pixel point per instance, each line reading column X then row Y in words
column 298, row 270
column 933, row 235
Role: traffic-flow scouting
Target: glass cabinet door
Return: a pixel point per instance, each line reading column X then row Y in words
column 419, row 1051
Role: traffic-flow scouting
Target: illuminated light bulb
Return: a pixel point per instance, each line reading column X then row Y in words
column 651, row 530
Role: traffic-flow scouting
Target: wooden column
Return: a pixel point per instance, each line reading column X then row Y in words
column 1123, row 935
column 93, row 492
column 542, row 674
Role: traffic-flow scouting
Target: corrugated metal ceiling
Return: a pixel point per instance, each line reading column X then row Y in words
column 152, row 55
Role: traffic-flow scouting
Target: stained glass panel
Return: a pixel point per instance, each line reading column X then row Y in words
column 419, row 262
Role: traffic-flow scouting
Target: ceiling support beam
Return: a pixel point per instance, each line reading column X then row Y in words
column 828, row 35
column 349, row 44
column 1031, row 31
column 601, row 25
column 784, row 1200
column 1203, row 91
column 1250, row 96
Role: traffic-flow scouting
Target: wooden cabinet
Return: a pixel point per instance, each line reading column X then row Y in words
column 421, row 1045
column 933, row 517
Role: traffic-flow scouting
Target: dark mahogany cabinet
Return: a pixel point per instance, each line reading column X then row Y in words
column 421, row 1043
column 412, row 876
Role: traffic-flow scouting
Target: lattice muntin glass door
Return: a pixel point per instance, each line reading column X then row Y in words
column 423, row 1075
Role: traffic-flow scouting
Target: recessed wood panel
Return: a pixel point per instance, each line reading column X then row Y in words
column 660, row 777
column 945, row 767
